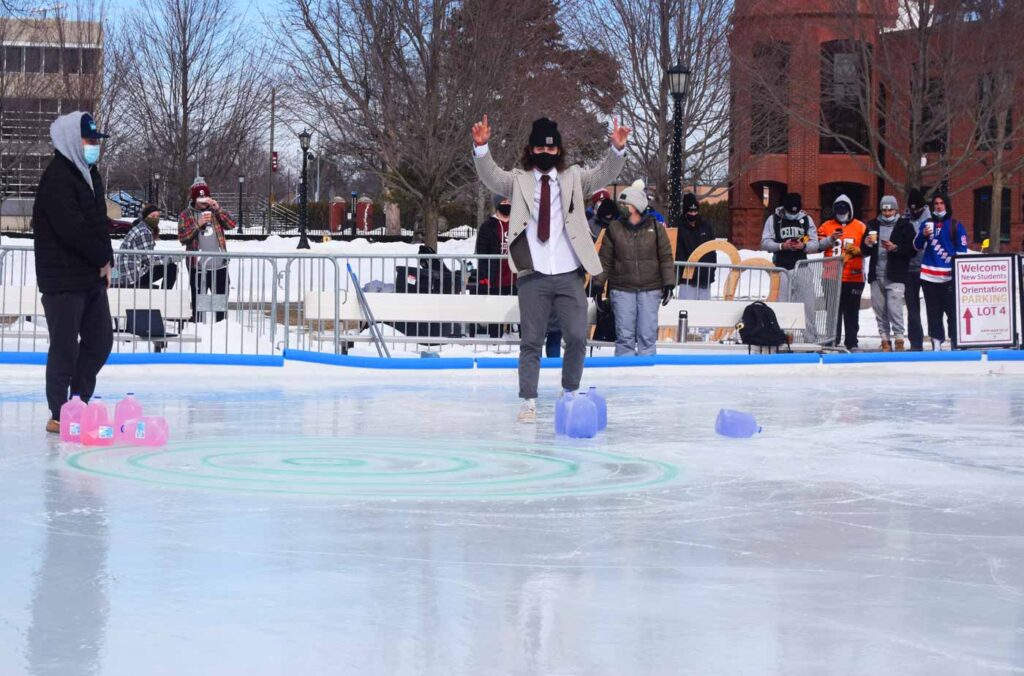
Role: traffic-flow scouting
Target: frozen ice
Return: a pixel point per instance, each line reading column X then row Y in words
column 316, row 520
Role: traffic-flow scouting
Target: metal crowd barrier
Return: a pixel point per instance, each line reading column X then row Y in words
column 260, row 303
column 817, row 283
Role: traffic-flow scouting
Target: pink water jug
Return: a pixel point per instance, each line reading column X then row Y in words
column 149, row 430
column 97, row 428
column 128, row 408
column 71, row 419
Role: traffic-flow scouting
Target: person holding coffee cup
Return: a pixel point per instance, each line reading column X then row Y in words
column 201, row 228
column 890, row 244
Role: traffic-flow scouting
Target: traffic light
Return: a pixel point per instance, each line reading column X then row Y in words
column 273, row 161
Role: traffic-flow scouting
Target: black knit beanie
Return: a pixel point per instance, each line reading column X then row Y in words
column 545, row 133
column 792, row 202
column 915, row 200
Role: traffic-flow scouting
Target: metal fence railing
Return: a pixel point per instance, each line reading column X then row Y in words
column 817, row 283
column 252, row 303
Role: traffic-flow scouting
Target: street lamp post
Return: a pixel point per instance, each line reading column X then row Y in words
column 678, row 79
column 352, row 212
column 156, row 189
column 149, row 182
column 303, row 205
column 241, row 184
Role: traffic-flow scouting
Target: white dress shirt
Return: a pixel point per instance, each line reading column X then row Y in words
column 556, row 255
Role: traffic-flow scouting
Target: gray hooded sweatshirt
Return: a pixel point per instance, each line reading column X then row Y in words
column 66, row 134
column 768, row 241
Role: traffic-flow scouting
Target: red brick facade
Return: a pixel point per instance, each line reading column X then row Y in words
column 804, row 26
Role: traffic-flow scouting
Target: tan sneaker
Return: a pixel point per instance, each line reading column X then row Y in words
column 886, row 345
column 528, row 412
column 53, row 426
column 901, row 345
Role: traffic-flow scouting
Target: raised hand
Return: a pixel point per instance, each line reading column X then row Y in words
column 619, row 134
column 481, row 132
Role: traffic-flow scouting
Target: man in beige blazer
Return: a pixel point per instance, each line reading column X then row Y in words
column 550, row 246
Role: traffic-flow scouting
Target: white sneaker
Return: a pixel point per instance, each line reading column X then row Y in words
column 528, row 412
column 936, row 345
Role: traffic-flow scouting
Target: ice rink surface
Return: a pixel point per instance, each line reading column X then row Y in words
column 318, row 520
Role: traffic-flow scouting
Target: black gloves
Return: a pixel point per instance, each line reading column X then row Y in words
column 607, row 211
column 666, row 294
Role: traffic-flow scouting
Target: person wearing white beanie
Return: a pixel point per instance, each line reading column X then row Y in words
column 636, row 256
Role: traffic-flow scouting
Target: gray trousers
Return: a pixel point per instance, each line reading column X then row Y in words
column 887, row 300
column 636, row 322
column 539, row 296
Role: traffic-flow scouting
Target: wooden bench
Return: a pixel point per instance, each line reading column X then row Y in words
column 319, row 307
column 174, row 306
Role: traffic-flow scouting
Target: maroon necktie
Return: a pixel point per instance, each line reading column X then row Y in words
column 544, row 213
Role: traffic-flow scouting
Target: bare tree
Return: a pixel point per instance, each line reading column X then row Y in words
column 646, row 37
column 1000, row 65
column 195, row 79
column 394, row 85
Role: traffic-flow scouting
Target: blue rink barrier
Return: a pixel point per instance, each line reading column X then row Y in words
column 736, row 359
column 430, row 364
column 896, row 357
column 1006, row 355
column 553, row 363
column 154, row 358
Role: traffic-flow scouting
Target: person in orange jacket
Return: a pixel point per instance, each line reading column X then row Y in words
column 843, row 235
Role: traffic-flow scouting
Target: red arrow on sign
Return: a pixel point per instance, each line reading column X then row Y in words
column 967, row 318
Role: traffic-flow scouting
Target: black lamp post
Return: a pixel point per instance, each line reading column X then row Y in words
column 678, row 79
column 149, row 182
column 304, row 137
column 241, row 184
column 352, row 211
column 156, row 188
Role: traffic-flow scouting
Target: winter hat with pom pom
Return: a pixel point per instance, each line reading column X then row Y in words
column 634, row 196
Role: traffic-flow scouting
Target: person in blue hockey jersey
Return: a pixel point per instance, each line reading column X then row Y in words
column 940, row 239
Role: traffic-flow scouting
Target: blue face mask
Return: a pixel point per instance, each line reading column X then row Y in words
column 92, row 154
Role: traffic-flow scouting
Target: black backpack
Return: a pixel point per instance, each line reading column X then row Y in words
column 760, row 326
column 605, row 329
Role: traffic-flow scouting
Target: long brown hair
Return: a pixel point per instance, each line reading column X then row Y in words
column 527, row 161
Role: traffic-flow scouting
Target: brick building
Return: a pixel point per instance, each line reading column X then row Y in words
column 777, row 147
column 48, row 67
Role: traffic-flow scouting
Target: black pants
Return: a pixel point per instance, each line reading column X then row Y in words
column 168, row 273
column 216, row 281
column 849, row 313
column 938, row 301
column 912, row 294
column 81, row 336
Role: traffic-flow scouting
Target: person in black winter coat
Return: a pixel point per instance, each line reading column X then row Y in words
column 889, row 242
column 690, row 234
column 495, row 277
column 73, row 259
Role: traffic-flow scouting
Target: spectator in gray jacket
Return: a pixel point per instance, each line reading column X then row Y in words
column 918, row 214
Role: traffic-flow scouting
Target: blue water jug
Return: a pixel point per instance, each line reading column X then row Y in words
column 736, row 424
column 602, row 408
column 562, row 412
column 581, row 417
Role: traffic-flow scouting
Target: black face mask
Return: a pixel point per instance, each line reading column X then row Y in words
column 543, row 161
column 691, row 217
column 504, row 209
